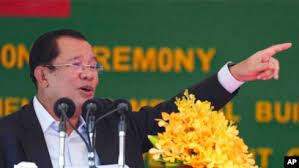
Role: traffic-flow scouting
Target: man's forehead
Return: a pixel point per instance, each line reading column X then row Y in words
column 68, row 41
column 82, row 57
column 70, row 48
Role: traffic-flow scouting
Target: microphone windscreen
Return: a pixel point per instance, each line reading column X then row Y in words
column 123, row 104
column 93, row 105
column 64, row 105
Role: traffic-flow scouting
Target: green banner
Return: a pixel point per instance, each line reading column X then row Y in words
column 169, row 45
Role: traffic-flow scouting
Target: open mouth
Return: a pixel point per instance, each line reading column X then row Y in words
column 86, row 88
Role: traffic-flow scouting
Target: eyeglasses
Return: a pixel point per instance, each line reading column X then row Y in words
column 79, row 66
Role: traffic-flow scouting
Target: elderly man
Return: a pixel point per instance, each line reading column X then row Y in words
column 62, row 64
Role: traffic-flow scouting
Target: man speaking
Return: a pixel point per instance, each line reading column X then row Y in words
column 62, row 64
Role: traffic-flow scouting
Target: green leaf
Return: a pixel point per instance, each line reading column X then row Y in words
column 153, row 139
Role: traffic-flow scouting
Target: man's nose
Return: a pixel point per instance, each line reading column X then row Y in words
column 87, row 74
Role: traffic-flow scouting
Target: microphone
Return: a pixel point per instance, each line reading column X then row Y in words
column 123, row 106
column 90, row 107
column 64, row 108
column 120, row 106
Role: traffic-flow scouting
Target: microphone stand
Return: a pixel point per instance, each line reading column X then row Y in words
column 91, row 134
column 121, row 108
column 62, row 135
column 122, row 135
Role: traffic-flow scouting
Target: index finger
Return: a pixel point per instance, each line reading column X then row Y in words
column 270, row 51
column 278, row 48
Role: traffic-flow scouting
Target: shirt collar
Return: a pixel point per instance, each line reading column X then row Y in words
column 81, row 125
column 46, row 120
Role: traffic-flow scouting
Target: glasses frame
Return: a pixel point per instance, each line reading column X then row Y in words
column 98, row 67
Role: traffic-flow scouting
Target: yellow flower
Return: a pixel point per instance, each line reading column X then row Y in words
column 200, row 137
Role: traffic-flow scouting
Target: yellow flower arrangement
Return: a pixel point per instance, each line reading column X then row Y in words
column 199, row 137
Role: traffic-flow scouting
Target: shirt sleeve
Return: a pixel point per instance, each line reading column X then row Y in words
column 227, row 80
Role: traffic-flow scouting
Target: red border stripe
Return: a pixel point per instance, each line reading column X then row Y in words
column 35, row 8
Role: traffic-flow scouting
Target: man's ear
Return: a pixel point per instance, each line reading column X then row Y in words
column 40, row 76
